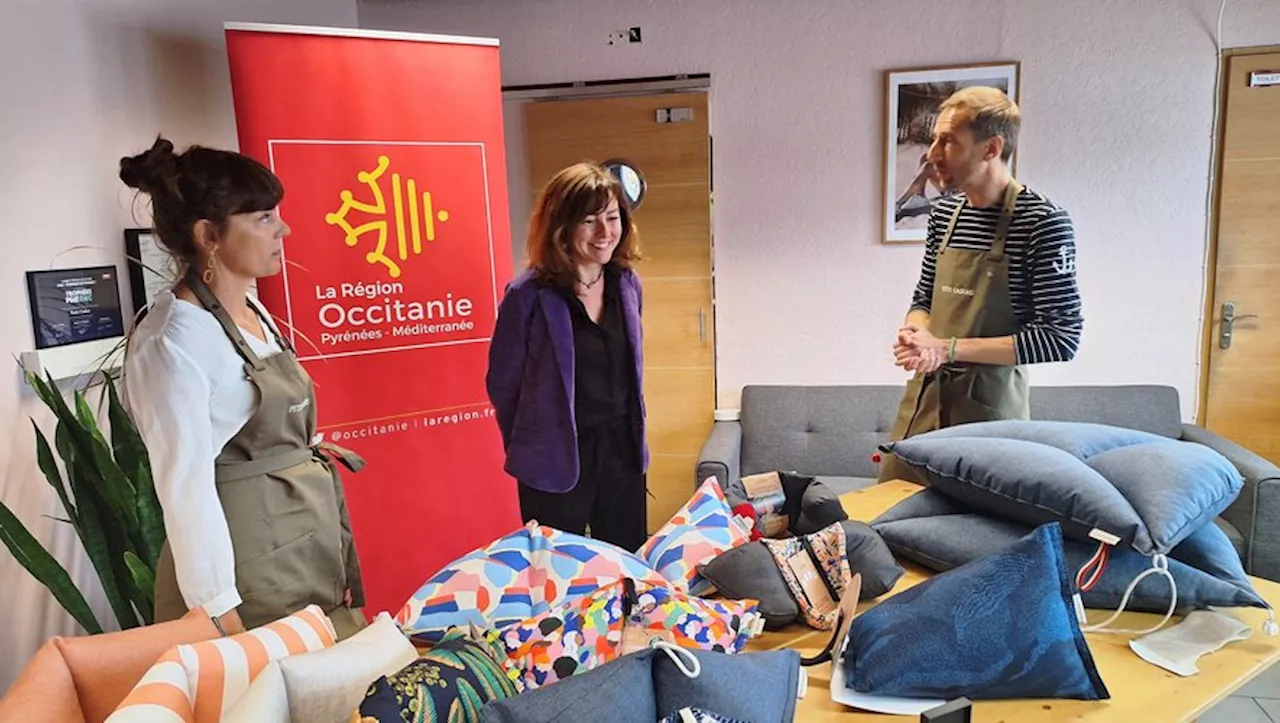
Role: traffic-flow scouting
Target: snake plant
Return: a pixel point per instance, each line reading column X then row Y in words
column 110, row 501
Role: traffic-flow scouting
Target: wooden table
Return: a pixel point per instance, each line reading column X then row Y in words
column 1140, row 692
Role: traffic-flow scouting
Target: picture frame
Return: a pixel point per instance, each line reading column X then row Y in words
column 151, row 268
column 912, row 99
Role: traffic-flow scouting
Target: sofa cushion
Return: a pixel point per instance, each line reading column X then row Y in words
column 819, row 430
column 941, row 534
column 1145, row 407
column 1001, row 627
column 1144, row 490
column 1233, row 534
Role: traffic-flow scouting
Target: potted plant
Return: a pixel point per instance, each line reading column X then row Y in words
column 110, row 500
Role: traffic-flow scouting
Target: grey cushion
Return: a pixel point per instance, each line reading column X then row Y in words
column 941, row 533
column 1148, row 408
column 1237, row 539
column 819, row 507
column 816, row 430
column 870, row 557
column 1148, row 491
column 748, row 571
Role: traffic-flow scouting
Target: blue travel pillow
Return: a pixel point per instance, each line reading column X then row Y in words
column 941, row 534
column 1099, row 482
column 647, row 686
column 998, row 628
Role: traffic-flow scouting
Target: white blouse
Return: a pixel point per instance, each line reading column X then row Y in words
column 185, row 388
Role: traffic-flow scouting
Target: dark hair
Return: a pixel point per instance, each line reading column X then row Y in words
column 569, row 197
column 199, row 184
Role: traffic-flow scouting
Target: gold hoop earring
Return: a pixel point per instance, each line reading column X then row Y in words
column 209, row 272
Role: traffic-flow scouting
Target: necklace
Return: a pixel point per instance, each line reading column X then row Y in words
column 586, row 285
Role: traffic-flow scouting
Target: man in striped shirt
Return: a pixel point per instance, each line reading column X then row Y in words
column 998, row 286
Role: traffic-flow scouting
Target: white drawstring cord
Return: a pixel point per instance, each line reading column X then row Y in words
column 1159, row 566
column 1270, row 627
column 675, row 652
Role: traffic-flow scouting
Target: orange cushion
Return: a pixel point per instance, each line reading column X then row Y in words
column 198, row 682
column 106, row 667
column 44, row 691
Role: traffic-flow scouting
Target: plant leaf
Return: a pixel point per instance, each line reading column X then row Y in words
column 131, row 456
column 117, row 490
column 44, row 457
column 37, row 560
column 144, row 583
column 95, row 527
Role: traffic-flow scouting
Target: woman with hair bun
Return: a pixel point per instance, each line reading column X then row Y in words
column 254, row 509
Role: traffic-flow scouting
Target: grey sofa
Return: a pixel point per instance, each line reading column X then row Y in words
column 832, row 432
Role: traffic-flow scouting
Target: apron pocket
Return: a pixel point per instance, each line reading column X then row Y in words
column 282, row 581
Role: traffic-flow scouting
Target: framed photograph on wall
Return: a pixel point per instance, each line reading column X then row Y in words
column 912, row 105
column 151, row 268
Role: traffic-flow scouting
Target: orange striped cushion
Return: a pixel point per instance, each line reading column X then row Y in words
column 197, row 683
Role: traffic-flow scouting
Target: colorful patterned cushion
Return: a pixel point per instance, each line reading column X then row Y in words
column 451, row 682
column 514, row 578
column 825, row 553
column 199, row 682
column 584, row 634
column 695, row 535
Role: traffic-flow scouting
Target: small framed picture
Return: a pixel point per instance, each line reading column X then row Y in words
column 151, row 268
column 913, row 100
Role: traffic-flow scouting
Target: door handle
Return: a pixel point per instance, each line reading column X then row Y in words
column 1229, row 319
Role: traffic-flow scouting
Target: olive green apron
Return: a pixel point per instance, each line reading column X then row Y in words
column 283, row 500
column 970, row 300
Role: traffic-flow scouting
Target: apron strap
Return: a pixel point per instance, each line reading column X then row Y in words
column 1006, row 218
column 213, row 306
column 326, row 451
column 1002, row 227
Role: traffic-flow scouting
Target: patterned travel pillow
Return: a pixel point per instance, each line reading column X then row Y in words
column 451, row 682
column 1003, row 626
column 197, row 682
column 699, row 531
column 750, row 571
column 781, row 504
column 615, row 620
column 816, row 570
column 517, row 576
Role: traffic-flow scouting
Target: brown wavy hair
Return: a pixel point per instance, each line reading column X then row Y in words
column 569, row 197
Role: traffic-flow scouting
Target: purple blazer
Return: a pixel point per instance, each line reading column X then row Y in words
column 531, row 380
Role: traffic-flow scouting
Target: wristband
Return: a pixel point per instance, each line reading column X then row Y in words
column 951, row 353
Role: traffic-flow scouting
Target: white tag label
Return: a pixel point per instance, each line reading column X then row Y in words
column 804, row 685
column 1104, row 537
column 1079, row 606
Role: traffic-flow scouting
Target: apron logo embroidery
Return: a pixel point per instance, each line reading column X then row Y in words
column 299, row 407
column 957, row 291
column 1066, row 262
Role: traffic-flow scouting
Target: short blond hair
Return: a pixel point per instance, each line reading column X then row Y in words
column 991, row 114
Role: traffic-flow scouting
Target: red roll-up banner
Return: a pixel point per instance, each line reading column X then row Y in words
column 390, row 149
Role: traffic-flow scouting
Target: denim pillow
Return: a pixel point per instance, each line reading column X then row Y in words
column 1146, row 491
column 941, row 534
column 997, row 628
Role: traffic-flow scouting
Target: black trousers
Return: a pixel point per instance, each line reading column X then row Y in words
column 610, row 494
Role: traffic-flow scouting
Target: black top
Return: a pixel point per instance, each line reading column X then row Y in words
column 604, row 367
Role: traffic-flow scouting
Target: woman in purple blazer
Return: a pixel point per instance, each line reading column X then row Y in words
column 565, row 365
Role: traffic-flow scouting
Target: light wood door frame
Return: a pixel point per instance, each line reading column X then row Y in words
column 1209, row 337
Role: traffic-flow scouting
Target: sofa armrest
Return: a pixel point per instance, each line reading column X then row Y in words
column 720, row 455
column 1256, row 512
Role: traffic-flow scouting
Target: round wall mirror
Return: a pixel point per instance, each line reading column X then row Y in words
column 631, row 179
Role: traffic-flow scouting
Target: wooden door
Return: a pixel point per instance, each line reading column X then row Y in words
column 674, row 223
column 1243, row 382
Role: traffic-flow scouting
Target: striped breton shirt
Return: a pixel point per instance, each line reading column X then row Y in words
column 1042, row 270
